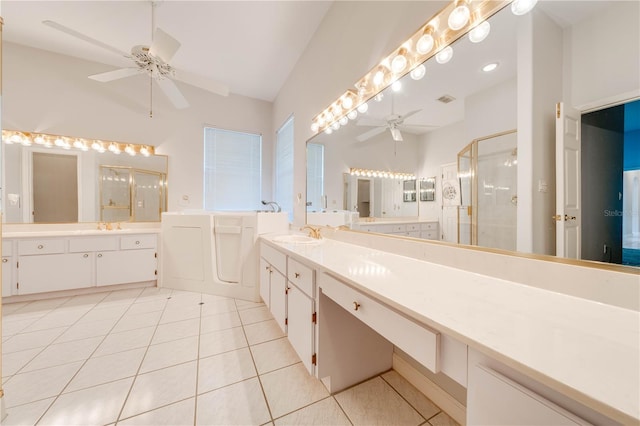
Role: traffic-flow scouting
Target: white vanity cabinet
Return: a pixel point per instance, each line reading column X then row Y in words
column 301, row 313
column 53, row 263
column 424, row 230
column 273, row 283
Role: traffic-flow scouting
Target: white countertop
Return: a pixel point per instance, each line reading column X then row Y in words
column 78, row 233
column 587, row 350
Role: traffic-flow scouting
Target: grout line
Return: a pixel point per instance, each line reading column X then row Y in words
column 342, row 408
column 195, row 393
column 405, row 399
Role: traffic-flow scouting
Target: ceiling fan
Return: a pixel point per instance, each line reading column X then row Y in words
column 393, row 122
column 153, row 61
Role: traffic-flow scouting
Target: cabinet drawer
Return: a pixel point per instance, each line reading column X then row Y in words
column 7, row 248
column 132, row 242
column 429, row 235
column 300, row 275
column 429, row 226
column 93, row 244
column 45, row 246
column 418, row 341
column 413, row 227
column 275, row 258
column 399, row 228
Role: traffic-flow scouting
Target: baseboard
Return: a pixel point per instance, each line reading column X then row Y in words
column 435, row 393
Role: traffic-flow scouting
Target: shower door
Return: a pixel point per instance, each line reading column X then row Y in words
column 148, row 196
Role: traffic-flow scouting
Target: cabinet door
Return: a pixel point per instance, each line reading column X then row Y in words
column 128, row 266
column 300, row 325
column 7, row 276
column 265, row 278
column 278, row 296
column 53, row 272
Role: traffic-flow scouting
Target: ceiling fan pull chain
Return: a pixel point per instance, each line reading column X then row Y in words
column 150, row 97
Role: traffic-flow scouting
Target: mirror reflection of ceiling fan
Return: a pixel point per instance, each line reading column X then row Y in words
column 153, row 61
column 393, row 122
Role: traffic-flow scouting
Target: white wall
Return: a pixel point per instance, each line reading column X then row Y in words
column 351, row 39
column 48, row 92
column 602, row 57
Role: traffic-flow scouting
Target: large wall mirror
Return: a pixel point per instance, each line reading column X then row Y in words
column 457, row 103
column 55, row 185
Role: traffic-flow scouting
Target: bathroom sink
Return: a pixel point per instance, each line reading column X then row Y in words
column 296, row 239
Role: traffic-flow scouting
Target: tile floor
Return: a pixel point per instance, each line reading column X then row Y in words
column 164, row 357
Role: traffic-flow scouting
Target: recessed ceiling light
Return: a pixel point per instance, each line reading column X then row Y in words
column 490, row 67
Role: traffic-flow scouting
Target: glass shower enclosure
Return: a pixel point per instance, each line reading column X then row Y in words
column 131, row 195
column 488, row 172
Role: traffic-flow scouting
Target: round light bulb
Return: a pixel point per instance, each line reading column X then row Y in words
column 378, row 97
column 320, row 121
column 459, row 17
column 328, row 116
column 351, row 115
column 418, row 72
column 26, row 141
column 362, row 108
column 445, row 55
column 337, row 110
column 399, row 63
column 59, row 142
column 328, row 130
column 425, row 44
column 396, row 86
column 343, row 120
column 480, row 32
column 145, row 151
column 347, row 102
column 314, row 127
column 520, row 7
column 490, row 67
column 335, row 125
column 378, row 78
column 39, row 140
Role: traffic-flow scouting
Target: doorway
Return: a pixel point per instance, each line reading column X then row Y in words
column 610, row 189
column 55, row 188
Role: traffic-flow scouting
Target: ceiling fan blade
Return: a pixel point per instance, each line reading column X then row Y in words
column 172, row 92
column 164, row 46
column 395, row 134
column 373, row 122
column 371, row 133
column 115, row 75
column 202, row 82
column 409, row 114
column 84, row 37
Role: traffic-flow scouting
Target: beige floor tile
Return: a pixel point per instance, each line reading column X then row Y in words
column 161, row 387
column 253, row 315
column 83, row 330
column 40, row 384
column 443, row 419
column 176, row 330
column 12, row 325
column 14, row 361
column 176, row 414
column 290, row 389
column 58, row 318
column 35, row 339
column 220, row 321
column 173, row 313
column 108, row 368
column 374, row 402
column 131, row 321
column 262, row 332
column 222, row 341
column 421, row 403
column 245, row 304
column 27, row 414
column 100, row 313
column 325, row 412
column 218, row 306
column 238, row 404
column 97, row 405
column 274, row 354
column 120, row 297
column 170, row 353
column 221, row 370
column 146, row 306
column 9, row 308
column 64, row 353
column 126, row 340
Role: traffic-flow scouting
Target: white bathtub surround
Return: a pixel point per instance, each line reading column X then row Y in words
column 581, row 349
column 215, row 252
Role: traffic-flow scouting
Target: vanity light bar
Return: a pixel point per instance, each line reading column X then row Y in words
column 67, row 142
column 432, row 37
column 381, row 174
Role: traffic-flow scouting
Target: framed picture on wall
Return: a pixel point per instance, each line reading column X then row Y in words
column 428, row 189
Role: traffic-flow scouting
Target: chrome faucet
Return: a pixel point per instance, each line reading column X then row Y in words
column 276, row 208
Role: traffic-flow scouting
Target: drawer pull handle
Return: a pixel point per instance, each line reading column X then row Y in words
column 99, row 254
column 85, row 255
column 137, row 242
column 40, row 246
column 5, row 260
column 297, row 274
column 356, row 306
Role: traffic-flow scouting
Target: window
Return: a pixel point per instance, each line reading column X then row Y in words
column 232, row 170
column 315, row 177
column 284, row 167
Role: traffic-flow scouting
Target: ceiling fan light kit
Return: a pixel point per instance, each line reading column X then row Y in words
column 153, row 61
column 431, row 39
